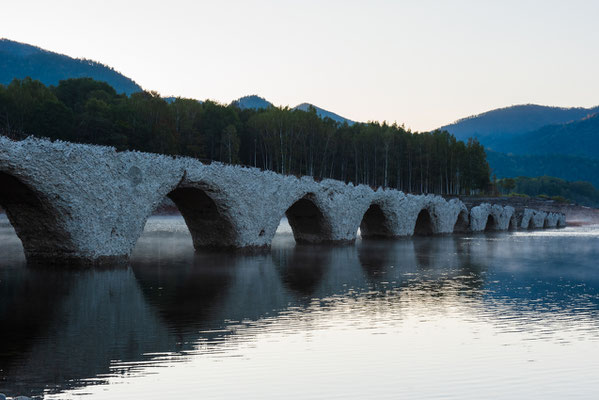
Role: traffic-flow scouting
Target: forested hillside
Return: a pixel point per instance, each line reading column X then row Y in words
column 570, row 168
column 532, row 140
column 579, row 138
column 508, row 121
column 279, row 139
column 580, row 192
column 20, row 60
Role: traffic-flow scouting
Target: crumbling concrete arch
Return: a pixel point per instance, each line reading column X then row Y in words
column 376, row 222
column 445, row 214
column 491, row 224
column 36, row 219
column 92, row 202
column 424, row 225
column 308, row 222
column 533, row 219
column 462, row 223
column 500, row 221
column 513, row 224
column 551, row 220
column 208, row 221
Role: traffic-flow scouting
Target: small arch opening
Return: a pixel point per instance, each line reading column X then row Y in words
column 513, row 224
column 34, row 220
column 375, row 224
column 545, row 223
column 531, row 224
column 462, row 224
column 307, row 222
column 209, row 226
column 491, row 224
column 424, row 224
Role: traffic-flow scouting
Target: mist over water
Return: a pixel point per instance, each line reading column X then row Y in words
column 460, row 317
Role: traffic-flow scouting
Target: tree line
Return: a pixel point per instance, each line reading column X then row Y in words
column 276, row 138
column 550, row 187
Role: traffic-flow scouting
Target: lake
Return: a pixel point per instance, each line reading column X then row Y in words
column 497, row 316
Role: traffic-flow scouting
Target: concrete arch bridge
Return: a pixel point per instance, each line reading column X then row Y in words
column 74, row 202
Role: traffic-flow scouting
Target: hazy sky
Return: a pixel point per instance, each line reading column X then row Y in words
column 422, row 63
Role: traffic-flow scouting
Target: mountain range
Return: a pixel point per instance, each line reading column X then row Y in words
column 534, row 140
column 20, row 60
column 514, row 120
column 257, row 102
column 527, row 140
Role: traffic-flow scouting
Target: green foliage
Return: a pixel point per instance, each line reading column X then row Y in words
column 569, row 168
column 514, row 194
column 280, row 139
column 548, row 187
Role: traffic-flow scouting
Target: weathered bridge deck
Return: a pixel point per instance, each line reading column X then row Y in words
column 79, row 202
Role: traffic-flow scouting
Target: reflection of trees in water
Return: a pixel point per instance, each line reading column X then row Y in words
column 472, row 266
column 28, row 307
column 375, row 257
column 186, row 296
column 302, row 267
column 72, row 323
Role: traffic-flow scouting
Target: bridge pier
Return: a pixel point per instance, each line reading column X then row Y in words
column 487, row 217
column 72, row 203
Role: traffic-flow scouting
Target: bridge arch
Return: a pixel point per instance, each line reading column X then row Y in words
column 462, row 223
column 491, row 224
column 513, row 224
column 37, row 223
column 375, row 223
column 308, row 223
column 424, row 223
column 206, row 218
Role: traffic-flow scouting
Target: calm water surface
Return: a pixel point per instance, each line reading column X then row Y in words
column 503, row 316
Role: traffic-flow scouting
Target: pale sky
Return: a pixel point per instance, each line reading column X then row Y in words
column 422, row 63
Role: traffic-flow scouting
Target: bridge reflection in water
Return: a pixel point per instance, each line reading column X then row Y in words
column 64, row 329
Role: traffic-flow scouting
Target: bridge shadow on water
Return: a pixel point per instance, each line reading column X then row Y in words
column 65, row 328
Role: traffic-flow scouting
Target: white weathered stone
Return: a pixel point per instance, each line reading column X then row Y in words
column 533, row 219
column 561, row 222
column 79, row 201
column 73, row 201
column 445, row 213
column 551, row 220
column 490, row 217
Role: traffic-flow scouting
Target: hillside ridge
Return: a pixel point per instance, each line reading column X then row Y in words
column 21, row 60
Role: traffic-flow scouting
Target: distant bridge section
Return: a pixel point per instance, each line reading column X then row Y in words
column 85, row 203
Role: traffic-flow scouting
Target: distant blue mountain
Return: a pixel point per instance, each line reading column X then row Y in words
column 254, row 102
column 578, row 138
column 20, row 60
column 533, row 140
column 514, row 120
column 257, row 103
column 322, row 113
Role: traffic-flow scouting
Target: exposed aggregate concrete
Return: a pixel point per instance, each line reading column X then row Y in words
column 83, row 202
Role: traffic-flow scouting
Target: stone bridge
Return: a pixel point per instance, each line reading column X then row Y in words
column 84, row 203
